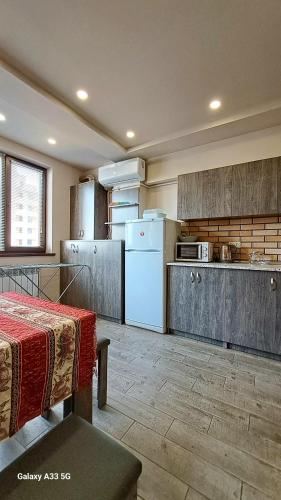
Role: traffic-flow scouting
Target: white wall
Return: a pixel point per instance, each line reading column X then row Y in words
column 59, row 178
column 248, row 147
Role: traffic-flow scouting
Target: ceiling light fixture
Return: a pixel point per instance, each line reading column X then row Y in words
column 52, row 141
column 2, row 117
column 215, row 104
column 82, row 94
column 130, row 134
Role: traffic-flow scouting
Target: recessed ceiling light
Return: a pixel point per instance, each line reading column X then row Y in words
column 52, row 141
column 130, row 134
column 215, row 104
column 2, row 117
column 82, row 94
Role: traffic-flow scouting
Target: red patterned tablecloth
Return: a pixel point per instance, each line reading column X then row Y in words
column 47, row 351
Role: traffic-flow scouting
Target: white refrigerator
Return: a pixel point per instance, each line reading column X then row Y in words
column 149, row 245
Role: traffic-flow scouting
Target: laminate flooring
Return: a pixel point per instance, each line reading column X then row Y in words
column 205, row 421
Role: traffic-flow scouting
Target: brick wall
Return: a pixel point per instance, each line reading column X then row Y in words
column 255, row 233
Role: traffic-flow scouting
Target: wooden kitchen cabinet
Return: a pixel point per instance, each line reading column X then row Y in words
column 108, row 278
column 210, row 288
column 240, row 307
column 205, row 194
column 254, row 188
column 216, row 199
column 251, row 309
column 80, row 293
column 196, row 301
column 276, row 342
column 100, row 286
column 183, row 310
column 248, row 189
column 190, row 195
column 88, row 211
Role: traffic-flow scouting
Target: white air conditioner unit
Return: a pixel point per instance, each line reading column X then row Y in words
column 128, row 171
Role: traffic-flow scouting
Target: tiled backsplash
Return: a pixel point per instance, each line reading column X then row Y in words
column 255, row 233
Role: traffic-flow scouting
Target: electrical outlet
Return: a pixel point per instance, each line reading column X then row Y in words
column 236, row 244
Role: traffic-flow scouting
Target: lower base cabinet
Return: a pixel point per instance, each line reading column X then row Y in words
column 196, row 299
column 251, row 308
column 230, row 305
column 99, row 286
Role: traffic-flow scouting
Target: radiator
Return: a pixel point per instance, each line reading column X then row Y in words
column 21, row 281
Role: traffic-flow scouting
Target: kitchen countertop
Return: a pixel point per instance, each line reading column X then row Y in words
column 231, row 265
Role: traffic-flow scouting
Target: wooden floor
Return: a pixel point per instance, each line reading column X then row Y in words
column 204, row 421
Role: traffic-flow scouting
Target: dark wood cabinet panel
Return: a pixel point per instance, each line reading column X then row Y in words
column 190, row 196
column 216, row 192
column 183, row 311
column 210, row 291
column 108, row 273
column 251, row 310
column 205, row 194
column 234, row 306
column 276, row 342
column 248, row 189
column 279, row 185
column 254, row 188
column 100, row 286
column 80, row 293
column 196, row 301
column 88, row 211
column 100, row 215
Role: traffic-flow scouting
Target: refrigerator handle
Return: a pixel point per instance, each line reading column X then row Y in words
column 143, row 251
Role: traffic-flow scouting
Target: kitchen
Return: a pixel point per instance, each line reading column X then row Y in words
column 233, row 251
column 140, row 208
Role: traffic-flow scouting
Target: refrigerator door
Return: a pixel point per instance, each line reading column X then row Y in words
column 144, row 290
column 145, row 235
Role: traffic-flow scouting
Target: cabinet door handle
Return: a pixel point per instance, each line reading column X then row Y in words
column 72, row 247
column 273, row 284
column 198, row 277
column 192, row 277
column 82, row 233
column 95, row 249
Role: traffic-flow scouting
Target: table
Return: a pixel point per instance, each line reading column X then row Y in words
column 47, row 354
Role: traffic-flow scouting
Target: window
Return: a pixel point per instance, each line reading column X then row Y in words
column 22, row 206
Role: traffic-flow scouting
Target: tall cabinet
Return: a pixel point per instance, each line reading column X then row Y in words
column 88, row 211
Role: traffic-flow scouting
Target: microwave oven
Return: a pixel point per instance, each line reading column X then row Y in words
column 201, row 251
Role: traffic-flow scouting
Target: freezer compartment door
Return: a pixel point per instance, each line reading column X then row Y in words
column 144, row 288
column 145, row 235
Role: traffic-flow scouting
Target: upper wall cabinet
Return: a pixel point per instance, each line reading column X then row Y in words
column 236, row 191
column 205, row 194
column 190, row 195
column 216, row 200
column 88, row 211
column 254, row 188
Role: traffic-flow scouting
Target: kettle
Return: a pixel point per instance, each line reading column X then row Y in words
column 225, row 253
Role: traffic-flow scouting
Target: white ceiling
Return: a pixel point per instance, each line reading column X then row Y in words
column 151, row 66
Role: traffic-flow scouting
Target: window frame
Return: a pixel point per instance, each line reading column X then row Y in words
column 13, row 251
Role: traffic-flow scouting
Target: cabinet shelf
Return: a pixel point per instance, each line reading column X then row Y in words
column 114, row 223
column 124, row 205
